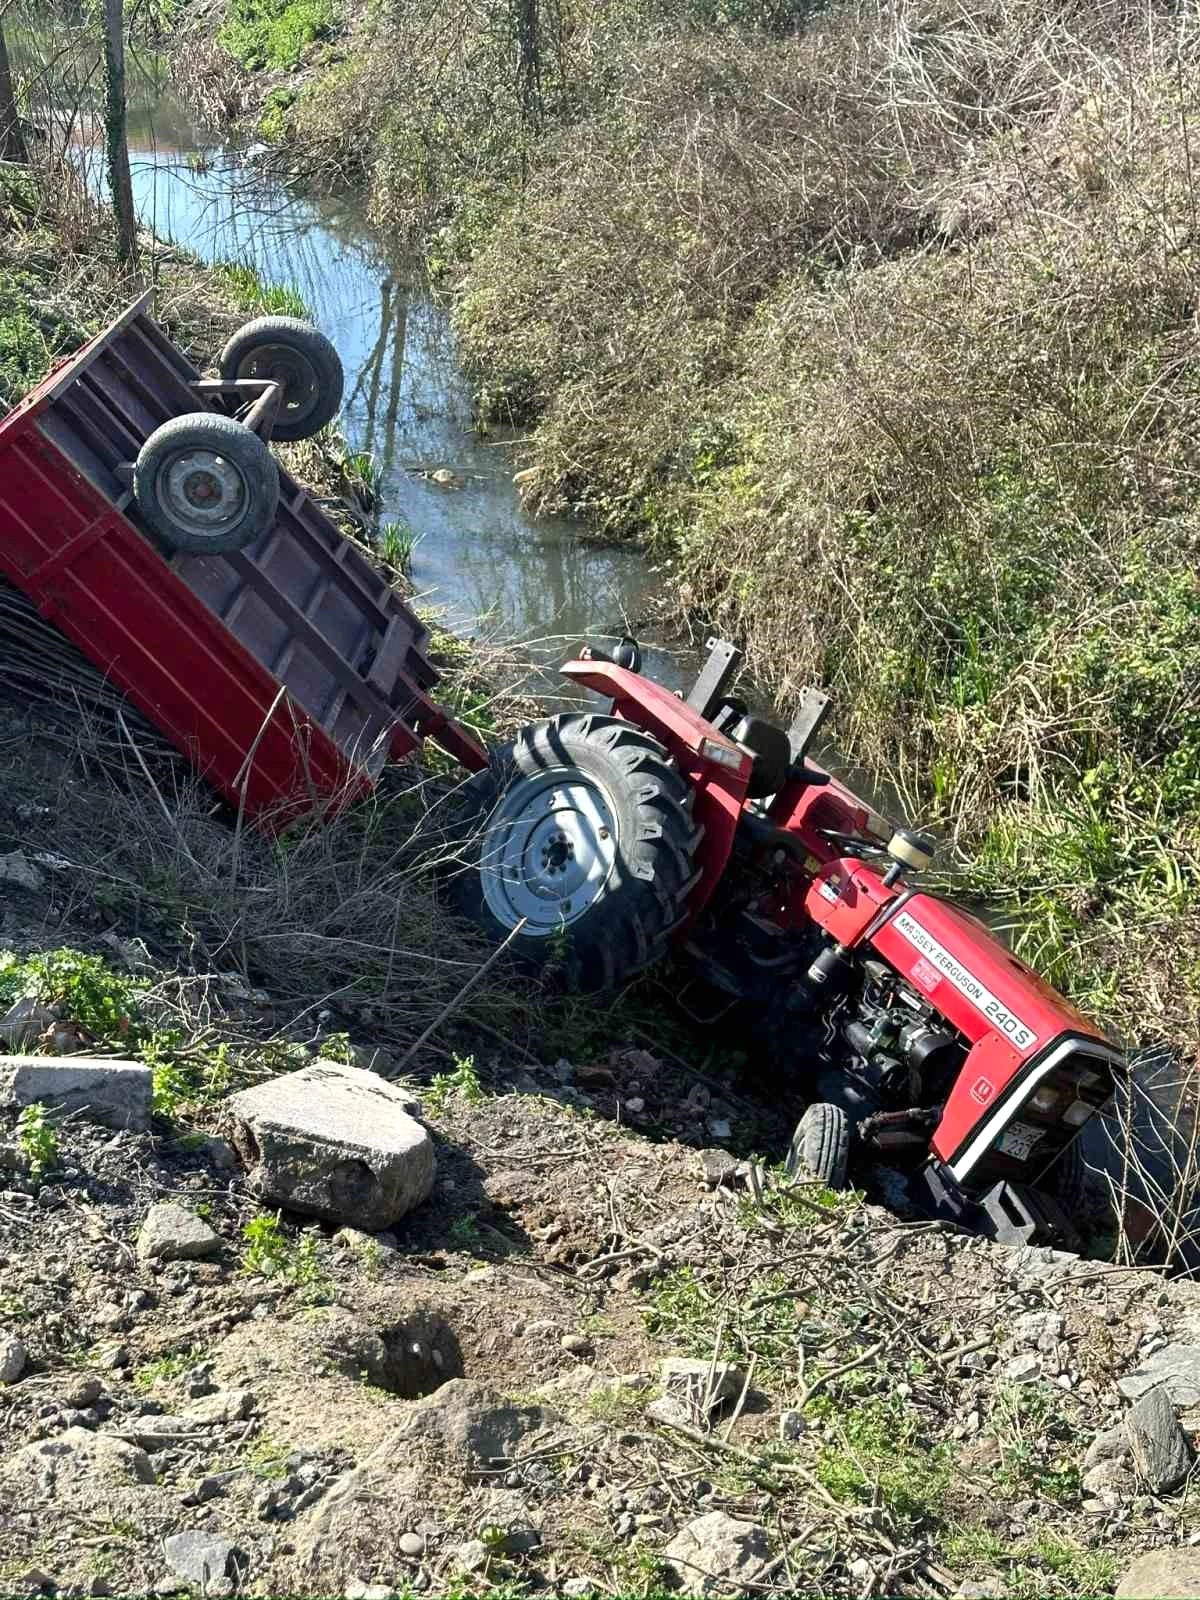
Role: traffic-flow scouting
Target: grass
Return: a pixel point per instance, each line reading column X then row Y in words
column 166, row 1369
column 271, row 1252
column 248, row 287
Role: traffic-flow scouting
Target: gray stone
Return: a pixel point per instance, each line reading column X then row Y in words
column 717, row 1554
column 172, row 1232
column 411, row 1545
column 580, row 1588
column 1110, row 1445
column 576, row 1344
column 1023, row 1369
column 1040, row 1330
column 226, row 1407
column 334, row 1142
column 1160, row 1448
column 23, row 1024
column 204, row 1559
column 718, row 1168
column 59, row 1467
column 1108, row 1478
column 1170, row 1574
column 360, row 1590
column 473, row 1556
column 114, row 1093
column 219, row 1153
column 12, row 1358
column 470, row 1419
column 18, row 872
column 719, row 1128
column 792, row 1424
column 693, row 1391
column 1175, row 1366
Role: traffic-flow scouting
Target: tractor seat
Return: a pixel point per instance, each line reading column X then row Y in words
column 772, row 753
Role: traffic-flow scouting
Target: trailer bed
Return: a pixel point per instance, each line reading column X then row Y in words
column 289, row 672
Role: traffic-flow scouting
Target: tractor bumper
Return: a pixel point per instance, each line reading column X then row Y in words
column 1009, row 1213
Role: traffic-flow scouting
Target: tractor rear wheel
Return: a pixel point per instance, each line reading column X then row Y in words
column 821, row 1146
column 579, row 833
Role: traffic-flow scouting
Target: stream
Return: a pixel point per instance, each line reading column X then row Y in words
column 480, row 565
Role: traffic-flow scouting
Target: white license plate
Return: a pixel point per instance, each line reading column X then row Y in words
column 1019, row 1140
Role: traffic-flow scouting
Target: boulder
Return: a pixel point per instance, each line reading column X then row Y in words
column 56, row 1468
column 115, row 1093
column 469, row 1419
column 334, row 1142
column 23, row 1024
column 172, row 1232
column 717, row 1554
column 18, row 872
column 1159, row 1445
column 1175, row 1366
column 1170, row 1574
column 205, row 1559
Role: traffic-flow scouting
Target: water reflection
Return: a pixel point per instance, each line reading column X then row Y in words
column 479, row 559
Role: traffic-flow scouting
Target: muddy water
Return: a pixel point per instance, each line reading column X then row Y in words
column 480, row 562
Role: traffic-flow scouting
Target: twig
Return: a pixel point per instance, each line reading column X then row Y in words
column 456, row 1001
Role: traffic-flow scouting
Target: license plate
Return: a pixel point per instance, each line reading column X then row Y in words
column 1019, row 1140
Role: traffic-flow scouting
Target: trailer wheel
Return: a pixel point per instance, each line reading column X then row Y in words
column 821, row 1146
column 296, row 355
column 206, row 484
column 582, row 828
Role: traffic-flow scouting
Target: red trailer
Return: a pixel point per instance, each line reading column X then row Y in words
column 154, row 529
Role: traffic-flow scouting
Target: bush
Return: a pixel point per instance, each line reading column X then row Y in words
column 275, row 33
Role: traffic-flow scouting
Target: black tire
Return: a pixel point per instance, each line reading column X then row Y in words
column 301, row 358
column 206, row 484
column 821, row 1146
column 618, row 814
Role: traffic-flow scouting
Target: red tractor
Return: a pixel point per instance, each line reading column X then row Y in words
column 606, row 840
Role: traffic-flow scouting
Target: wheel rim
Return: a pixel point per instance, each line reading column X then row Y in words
column 294, row 372
column 549, row 852
column 202, row 492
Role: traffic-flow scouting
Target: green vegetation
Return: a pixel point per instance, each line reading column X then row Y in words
column 246, row 284
column 397, row 541
column 80, row 988
column 877, row 1456
column 270, row 1252
column 166, row 1368
column 463, row 1083
column 1038, row 1446
column 276, row 34
column 37, row 1141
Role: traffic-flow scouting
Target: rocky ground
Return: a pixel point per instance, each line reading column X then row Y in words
column 585, row 1363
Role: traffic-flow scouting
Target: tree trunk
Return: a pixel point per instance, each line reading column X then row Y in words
column 12, row 140
column 119, row 182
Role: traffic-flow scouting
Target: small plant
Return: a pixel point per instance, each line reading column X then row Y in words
column 166, row 1368
column 270, row 1253
column 37, row 1141
column 465, row 1235
column 397, row 541
column 268, row 1459
column 80, row 988
column 619, row 1405
column 462, row 1083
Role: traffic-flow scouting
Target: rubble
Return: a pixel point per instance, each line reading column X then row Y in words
column 717, row 1554
column 117, row 1094
column 334, row 1142
column 1159, row 1446
column 173, row 1233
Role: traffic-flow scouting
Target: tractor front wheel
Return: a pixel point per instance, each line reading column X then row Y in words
column 821, row 1146
column 579, row 834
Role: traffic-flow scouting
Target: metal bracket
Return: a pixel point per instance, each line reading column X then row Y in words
column 724, row 659
column 265, row 394
column 806, row 724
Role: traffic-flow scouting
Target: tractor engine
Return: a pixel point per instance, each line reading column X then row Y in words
column 898, row 1051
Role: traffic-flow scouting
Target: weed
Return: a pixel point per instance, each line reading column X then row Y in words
column 465, row 1235
column 877, row 1451
column 267, row 1458
column 463, row 1084
column 272, row 1253
column 247, row 284
column 275, row 33
column 37, row 1141
column 1037, row 1443
column 397, row 541
column 81, row 988
column 165, row 1369
column 619, row 1405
